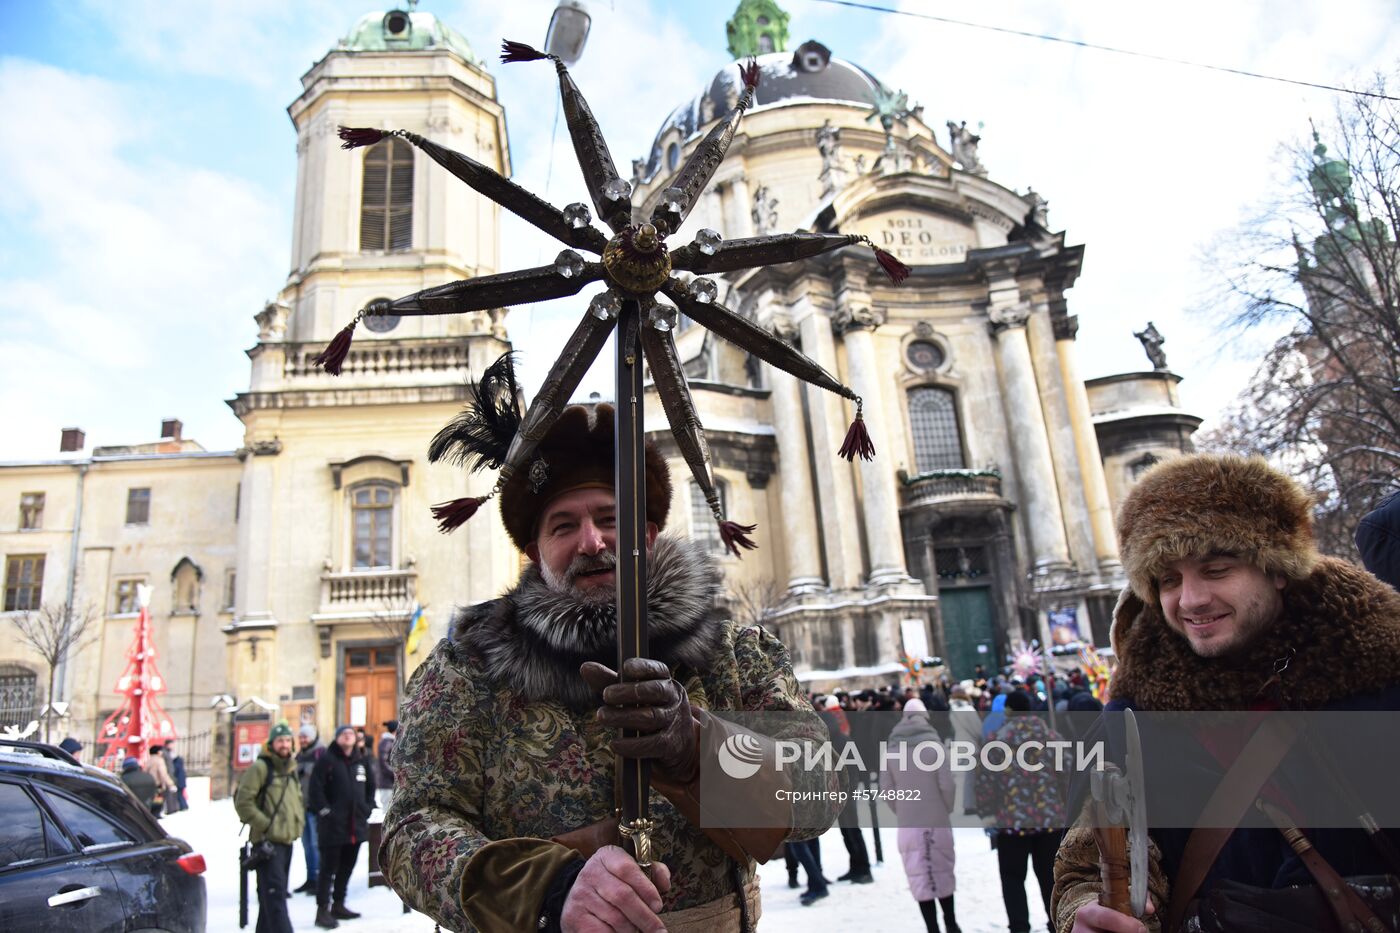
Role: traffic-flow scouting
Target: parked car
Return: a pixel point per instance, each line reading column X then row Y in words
column 79, row 854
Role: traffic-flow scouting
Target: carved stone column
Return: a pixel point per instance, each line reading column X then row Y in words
column 881, row 502
column 803, row 540
column 835, row 489
column 1087, row 446
column 738, row 202
column 1029, row 441
column 1055, row 407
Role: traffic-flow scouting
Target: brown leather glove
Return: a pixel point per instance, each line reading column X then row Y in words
column 646, row 699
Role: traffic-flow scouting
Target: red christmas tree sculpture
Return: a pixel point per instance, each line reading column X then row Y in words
column 140, row 720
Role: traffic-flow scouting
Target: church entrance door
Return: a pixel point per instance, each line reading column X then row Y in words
column 371, row 687
column 967, row 629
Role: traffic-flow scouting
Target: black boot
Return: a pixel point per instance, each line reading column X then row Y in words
column 949, row 920
column 324, row 920
column 792, row 879
column 307, row 887
column 341, row 912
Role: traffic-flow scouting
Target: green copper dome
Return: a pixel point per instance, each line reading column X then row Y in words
column 406, row 31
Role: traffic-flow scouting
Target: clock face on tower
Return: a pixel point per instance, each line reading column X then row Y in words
column 382, row 323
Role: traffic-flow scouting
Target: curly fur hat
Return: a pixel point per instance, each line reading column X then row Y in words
column 1193, row 506
column 577, row 453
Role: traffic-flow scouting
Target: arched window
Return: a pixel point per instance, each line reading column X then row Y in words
column 18, row 696
column 703, row 529
column 372, row 526
column 386, row 196
column 933, row 418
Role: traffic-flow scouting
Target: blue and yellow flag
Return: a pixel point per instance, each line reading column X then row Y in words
column 417, row 628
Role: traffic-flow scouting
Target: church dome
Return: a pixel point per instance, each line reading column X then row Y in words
column 406, row 31
column 810, row 74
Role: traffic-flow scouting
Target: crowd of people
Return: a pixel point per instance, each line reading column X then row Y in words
column 322, row 794
column 1024, row 814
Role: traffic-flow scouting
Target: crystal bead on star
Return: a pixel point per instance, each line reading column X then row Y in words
column 577, row 215
column 708, row 241
column 568, row 264
column 704, row 290
column 672, row 200
column 605, row 306
column 662, row 317
column 618, row 190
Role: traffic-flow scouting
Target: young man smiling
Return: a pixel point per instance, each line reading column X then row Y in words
column 1230, row 607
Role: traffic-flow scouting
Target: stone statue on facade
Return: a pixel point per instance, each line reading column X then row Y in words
column 833, row 175
column 1040, row 209
column 1152, row 342
column 964, row 147
column 765, row 211
column 829, row 145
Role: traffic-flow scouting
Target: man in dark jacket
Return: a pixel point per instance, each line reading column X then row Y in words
column 1225, row 582
column 1378, row 540
column 839, row 728
column 141, row 783
column 175, row 802
column 309, row 753
column 268, row 799
column 385, row 777
column 342, row 797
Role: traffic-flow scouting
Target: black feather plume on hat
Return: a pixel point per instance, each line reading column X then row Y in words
column 481, row 435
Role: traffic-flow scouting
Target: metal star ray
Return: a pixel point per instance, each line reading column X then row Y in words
column 637, row 266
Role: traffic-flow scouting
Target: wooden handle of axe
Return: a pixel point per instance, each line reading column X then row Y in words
column 1114, row 868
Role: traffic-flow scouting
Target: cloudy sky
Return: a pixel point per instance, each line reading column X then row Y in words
column 149, row 165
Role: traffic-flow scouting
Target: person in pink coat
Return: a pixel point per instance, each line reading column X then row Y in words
column 925, row 832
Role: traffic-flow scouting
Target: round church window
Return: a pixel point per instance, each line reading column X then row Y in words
column 924, row 355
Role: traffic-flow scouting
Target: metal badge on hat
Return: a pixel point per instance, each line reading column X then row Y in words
column 637, row 267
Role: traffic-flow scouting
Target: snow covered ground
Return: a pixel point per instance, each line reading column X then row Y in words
column 213, row 829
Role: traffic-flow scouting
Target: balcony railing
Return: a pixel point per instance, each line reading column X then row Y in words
column 381, row 358
column 368, row 591
column 938, row 486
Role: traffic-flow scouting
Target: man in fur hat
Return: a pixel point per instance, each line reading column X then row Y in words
column 503, row 817
column 1225, row 584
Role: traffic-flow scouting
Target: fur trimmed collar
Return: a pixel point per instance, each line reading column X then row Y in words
column 533, row 638
column 1341, row 624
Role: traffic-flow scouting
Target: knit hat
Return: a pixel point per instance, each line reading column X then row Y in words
column 1193, row 506
column 915, row 705
column 130, row 764
column 279, row 731
column 831, row 702
column 308, row 732
column 344, row 728
column 71, row 745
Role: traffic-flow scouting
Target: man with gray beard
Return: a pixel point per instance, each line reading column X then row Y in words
column 503, row 817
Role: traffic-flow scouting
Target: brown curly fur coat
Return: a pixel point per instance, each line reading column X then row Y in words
column 1343, row 626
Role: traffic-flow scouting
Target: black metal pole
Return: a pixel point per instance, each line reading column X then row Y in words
column 634, row 773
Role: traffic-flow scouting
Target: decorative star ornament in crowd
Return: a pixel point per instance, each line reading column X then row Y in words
column 637, row 266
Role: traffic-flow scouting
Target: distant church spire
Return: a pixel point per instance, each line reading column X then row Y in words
column 757, row 27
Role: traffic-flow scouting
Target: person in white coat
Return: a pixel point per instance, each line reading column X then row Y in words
column 925, row 832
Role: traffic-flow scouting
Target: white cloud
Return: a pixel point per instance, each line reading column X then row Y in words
column 138, row 275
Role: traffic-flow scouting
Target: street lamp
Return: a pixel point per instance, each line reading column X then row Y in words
column 568, row 31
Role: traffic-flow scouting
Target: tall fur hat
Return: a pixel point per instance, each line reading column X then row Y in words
column 1211, row 503
column 577, row 453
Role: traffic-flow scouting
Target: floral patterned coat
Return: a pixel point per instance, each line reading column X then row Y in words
column 485, row 775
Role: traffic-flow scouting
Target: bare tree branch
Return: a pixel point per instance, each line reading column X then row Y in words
column 55, row 632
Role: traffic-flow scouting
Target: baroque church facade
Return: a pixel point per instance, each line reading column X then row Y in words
column 286, row 574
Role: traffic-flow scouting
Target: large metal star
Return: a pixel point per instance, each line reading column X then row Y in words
column 637, row 266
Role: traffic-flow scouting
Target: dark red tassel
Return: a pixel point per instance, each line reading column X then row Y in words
column 735, row 536
column 749, row 72
column 333, row 356
column 857, row 441
column 353, row 137
column 896, row 270
column 451, row 514
column 520, row 52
